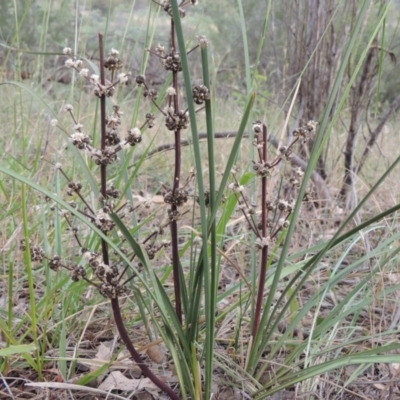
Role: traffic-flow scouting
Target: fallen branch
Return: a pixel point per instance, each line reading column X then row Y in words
column 374, row 135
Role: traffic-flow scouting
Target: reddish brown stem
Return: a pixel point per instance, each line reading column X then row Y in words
column 135, row 355
column 103, row 167
column 175, row 187
column 264, row 250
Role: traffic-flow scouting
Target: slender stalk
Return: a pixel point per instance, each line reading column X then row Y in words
column 175, row 187
column 114, row 301
column 135, row 355
column 264, row 250
column 103, row 167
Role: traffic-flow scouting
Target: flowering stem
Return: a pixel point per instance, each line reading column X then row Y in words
column 175, row 187
column 264, row 249
column 103, row 167
column 114, row 300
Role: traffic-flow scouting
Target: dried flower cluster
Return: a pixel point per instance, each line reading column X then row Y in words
column 200, row 94
column 176, row 119
column 281, row 208
column 166, row 5
column 105, row 274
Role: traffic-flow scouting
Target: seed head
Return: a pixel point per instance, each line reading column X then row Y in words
column 112, row 63
column 257, row 127
column 69, row 63
column 84, row 72
column 55, row 263
column 236, row 188
column 160, row 50
column 311, row 125
column 94, row 78
column 78, row 64
column 177, row 121
column 123, row 78
column 172, row 62
column 178, row 197
column 202, row 41
column 141, row 80
column 150, row 120
column 150, row 94
column 103, row 221
column 299, row 172
column 200, row 94
column 133, row 137
column 262, row 242
column 171, row 91
column 284, row 223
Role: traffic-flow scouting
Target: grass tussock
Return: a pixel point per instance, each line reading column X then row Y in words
column 162, row 239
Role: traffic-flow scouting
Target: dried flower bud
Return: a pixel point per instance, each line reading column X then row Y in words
column 37, row 253
column 150, row 94
column 200, row 94
column 236, row 188
column 107, row 90
column 298, row 172
column 123, row 78
column 84, row 72
column 134, row 136
column 67, row 51
column 262, row 242
column 94, row 78
column 22, row 245
column 311, row 125
column 171, row 91
column 257, row 127
column 112, row 63
column 55, row 263
column 69, row 63
column 282, row 205
column 284, row 223
column 141, row 80
column 172, row 62
column 177, row 198
column 150, row 120
column 160, row 50
column 202, row 41
column 174, row 215
column 103, row 221
column 177, row 121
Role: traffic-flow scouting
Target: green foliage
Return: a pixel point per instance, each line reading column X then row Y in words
column 303, row 321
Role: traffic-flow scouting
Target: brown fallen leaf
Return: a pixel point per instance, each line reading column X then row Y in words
column 156, row 354
column 104, row 352
column 117, row 381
